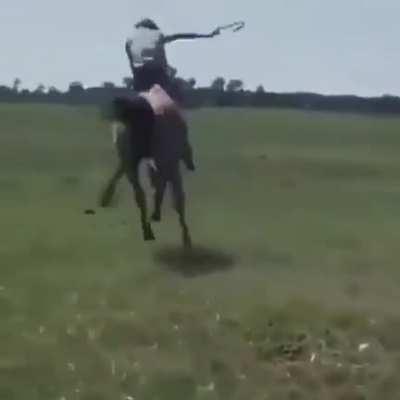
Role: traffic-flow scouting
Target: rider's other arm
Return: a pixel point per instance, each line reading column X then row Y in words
column 180, row 36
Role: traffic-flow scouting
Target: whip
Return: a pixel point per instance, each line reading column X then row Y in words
column 234, row 26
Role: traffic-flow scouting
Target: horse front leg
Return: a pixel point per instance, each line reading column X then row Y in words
column 140, row 198
column 159, row 184
column 178, row 195
column 108, row 192
column 158, row 200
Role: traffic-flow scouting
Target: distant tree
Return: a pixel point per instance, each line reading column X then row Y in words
column 128, row 82
column 76, row 88
column 53, row 94
column 177, row 88
column 218, row 84
column 108, row 85
column 25, row 93
column 234, row 85
column 191, row 83
column 16, row 85
column 260, row 89
column 40, row 89
column 53, row 90
column 184, row 84
column 5, row 90
column 259, row 98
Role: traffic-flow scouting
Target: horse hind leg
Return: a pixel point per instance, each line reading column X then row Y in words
column 140, row 198
column 158, row 200
column 159, row 184
column 179, row 205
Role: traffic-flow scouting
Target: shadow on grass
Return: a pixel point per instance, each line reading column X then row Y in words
column 195, row 262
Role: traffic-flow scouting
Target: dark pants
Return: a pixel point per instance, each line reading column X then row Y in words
column 147, row 76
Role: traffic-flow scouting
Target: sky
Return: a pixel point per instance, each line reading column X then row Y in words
column 324, row 46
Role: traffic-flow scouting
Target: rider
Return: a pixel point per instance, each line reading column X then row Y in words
column 148, row 62
column 147, row 57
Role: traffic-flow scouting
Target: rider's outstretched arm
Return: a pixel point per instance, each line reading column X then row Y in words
column 183, row 36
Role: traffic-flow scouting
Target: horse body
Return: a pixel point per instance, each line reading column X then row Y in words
column 169, row 146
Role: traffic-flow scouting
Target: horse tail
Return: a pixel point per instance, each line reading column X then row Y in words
column 116, row 129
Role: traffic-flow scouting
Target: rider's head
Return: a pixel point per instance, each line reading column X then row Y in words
column 147, row 23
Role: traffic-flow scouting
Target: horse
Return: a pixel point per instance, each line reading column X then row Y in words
column 168, row 147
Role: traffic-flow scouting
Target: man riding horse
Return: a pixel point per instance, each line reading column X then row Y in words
column 153, row 126
column 145, row 49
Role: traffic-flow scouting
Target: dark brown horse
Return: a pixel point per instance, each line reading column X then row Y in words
column 169, row 145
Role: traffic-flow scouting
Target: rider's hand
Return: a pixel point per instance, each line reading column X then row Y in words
column 216, row 32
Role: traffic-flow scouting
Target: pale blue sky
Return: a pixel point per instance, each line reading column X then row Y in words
column 327, row 46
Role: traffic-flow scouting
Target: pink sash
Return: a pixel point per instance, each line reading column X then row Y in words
column 159, row 100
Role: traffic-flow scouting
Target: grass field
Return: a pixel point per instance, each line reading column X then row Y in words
column 292, row 290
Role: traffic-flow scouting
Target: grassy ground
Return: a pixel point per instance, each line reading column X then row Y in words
column 291, row 291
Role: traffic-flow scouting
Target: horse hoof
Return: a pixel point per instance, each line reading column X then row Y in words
column 187, row 244
column 103, row 203
column 156, row 217
column 149, row 236
column 190, row 165
column 89, row 211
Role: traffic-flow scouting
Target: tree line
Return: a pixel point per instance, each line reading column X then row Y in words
column 220, row 93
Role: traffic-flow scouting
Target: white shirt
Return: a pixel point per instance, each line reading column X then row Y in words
column 146, row 46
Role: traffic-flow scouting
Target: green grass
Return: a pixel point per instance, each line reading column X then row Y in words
column 295, row 222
